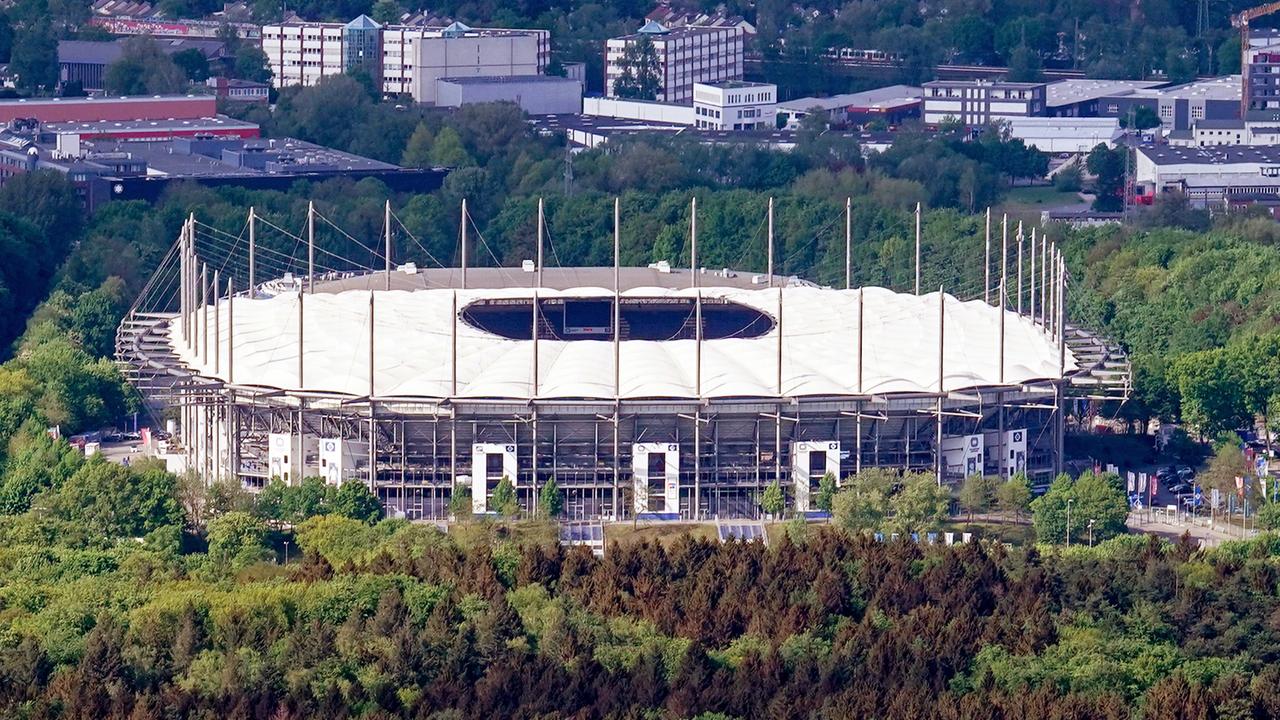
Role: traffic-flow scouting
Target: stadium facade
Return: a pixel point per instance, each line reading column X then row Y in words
column 643, row 391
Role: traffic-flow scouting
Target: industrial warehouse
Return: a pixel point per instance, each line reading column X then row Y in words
column 651, row 392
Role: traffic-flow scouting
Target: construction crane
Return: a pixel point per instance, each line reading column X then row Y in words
column 1241, row 22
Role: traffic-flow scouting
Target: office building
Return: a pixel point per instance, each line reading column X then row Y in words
column 681, row 56
column 1059, row 136
column 734, row 105
column 1260, row 71
column 1209, row 176
column 401, row 59
column 1082, row 97
column 975, row 103
column 1181, row 106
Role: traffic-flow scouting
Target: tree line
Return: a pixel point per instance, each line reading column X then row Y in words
column 128, row 593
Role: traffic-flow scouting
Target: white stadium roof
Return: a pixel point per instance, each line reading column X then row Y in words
column 414, row 330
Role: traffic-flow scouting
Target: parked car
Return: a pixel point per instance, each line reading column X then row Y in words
column 1180, row 488
column 1185, row 473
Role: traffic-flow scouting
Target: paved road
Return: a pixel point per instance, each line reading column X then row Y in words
column 1172, row 529
column 118, row 452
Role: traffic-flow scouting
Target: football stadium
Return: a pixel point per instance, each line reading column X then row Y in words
column 653, row 392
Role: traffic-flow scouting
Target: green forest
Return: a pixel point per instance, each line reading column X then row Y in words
column 128, row 594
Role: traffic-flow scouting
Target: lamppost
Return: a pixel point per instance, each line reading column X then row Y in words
column 1091, row 533
column 1069, row 501
column 286, row 552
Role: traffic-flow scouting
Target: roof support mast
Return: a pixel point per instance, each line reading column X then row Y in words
column 541, row 224
column 848, row 243
column 986, row 264
column 1004, row 258
column 697, row 360
column 769, row 247
column 231, row 330
column 253, row 239
column 1031, row 297
column 311, row 247
column 386, row 221
column 942, row 394
column 1019, row 268
column 917, row 248
column 617, row 349
column 463, row 222
column 373, row 423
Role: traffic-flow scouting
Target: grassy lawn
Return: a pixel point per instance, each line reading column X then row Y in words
column 664, row 533
column 1002, row 532
column 521, row 532
column 1036, row 198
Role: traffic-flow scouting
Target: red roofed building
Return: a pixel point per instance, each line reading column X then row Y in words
column 102, row 109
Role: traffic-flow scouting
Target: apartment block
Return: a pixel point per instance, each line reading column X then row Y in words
column 685, row 56
column 301, row 53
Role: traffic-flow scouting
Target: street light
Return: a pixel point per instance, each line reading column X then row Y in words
column 1069, row 501
column 286, row 552
column 1091, row 533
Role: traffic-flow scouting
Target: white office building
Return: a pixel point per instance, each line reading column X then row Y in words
column 981, row 102
column 684, row 56
column 735, row 105
column 301, row 53
column 1058, row 136
column 1209, row 175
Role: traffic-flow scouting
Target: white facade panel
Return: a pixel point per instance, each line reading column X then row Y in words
column 539, row 95
column 437, row 58
column 637, row 110
column 483, row 479
column 643, row 500
column 342, row 461
column 810, row 461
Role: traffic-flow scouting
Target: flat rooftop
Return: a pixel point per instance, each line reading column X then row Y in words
column 303, row 155
column 101, row 100
column 105, row 52
column 611, row 127
column 1002, row 84
column 1077, row 90
column 508, row 80
column 1226, row 87
column 1214, row 155
column 217, row 123
column 885, row 98
column 682, row 31
column 736, row 84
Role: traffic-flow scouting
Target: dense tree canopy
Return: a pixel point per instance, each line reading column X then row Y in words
column 109, row 612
